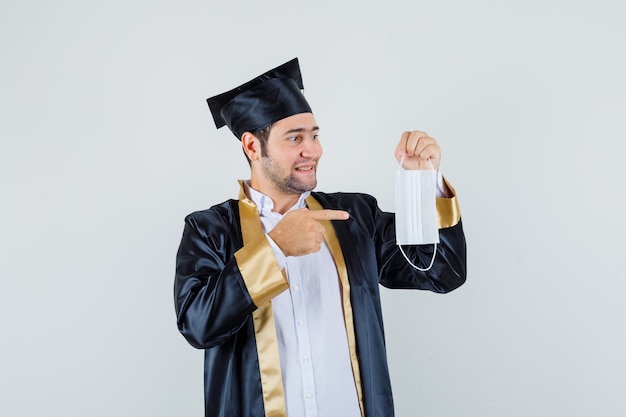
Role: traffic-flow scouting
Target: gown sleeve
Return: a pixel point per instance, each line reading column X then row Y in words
column 219, row 282
column 449, row 268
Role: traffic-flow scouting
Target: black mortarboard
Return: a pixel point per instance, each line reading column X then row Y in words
column 262, row 101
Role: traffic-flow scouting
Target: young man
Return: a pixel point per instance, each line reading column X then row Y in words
column 281, row 287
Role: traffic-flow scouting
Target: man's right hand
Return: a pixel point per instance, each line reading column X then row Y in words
column 300, row 232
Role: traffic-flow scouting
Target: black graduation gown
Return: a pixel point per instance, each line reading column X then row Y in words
column 214, row 307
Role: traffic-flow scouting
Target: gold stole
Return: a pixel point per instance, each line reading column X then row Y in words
column 263, row 265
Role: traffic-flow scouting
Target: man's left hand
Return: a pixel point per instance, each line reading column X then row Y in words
column 417, row 147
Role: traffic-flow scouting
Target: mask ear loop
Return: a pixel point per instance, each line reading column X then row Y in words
column 432, row 261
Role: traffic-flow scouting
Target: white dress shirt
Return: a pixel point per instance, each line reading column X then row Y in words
column 312, row 340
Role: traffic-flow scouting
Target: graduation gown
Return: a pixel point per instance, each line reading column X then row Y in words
column 226, row 276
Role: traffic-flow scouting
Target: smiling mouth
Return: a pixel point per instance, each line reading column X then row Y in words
column 306, row 166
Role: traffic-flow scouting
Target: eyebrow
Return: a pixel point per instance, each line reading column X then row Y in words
column 301, row 129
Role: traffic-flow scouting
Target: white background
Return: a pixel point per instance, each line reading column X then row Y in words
column 107, row 143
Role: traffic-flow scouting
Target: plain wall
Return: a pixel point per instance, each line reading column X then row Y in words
column 106, row 143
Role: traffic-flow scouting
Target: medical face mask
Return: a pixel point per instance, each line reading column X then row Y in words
column 416, row 209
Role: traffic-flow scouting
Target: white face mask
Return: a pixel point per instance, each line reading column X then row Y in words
column 416, row 209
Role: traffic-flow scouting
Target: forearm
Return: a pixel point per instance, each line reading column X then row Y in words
column 211, row 308
column 216, row 290
column 447, row 273
column 449, row 268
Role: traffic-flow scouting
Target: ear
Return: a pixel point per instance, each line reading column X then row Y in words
column 251, row 146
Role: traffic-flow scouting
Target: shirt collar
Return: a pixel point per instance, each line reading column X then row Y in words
column 265, row 204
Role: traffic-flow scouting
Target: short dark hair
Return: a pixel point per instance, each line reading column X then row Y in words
column 262, row 135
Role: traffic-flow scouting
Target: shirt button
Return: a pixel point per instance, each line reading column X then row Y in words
column 306, row 359
column 300, row 323
column 295, row 288
column 308, row 395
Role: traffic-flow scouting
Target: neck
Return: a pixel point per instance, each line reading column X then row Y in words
column 282, row 201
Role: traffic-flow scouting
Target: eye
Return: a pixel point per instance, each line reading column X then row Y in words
column 315, row 136
column 293, row 138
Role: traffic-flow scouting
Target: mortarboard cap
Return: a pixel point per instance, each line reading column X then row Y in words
column 262, row 101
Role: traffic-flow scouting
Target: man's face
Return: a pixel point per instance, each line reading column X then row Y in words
column 292, row 153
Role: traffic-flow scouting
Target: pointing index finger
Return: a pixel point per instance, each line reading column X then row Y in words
column 328, row 214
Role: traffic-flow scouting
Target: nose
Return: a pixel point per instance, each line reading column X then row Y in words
column 311, row 148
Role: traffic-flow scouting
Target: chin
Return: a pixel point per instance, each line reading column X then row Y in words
column 300, row 186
